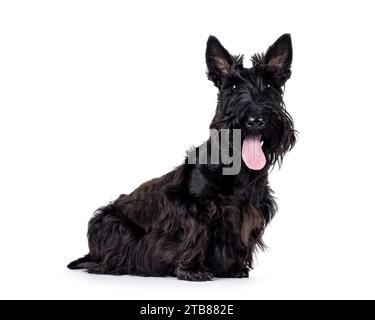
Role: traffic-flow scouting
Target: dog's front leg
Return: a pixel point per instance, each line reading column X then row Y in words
column 192, row 254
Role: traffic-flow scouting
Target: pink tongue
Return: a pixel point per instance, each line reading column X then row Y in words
column 252, row 153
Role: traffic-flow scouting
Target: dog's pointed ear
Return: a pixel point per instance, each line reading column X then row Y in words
column 278, row 60
column 218, row 61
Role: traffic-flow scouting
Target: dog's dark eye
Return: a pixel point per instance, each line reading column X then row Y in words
column 234, row 87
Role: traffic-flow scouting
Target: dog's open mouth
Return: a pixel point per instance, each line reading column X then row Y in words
column 252, row 153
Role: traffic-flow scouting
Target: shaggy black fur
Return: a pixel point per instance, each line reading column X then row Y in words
column 194, row 222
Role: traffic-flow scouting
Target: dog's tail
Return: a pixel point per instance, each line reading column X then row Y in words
column 80, row 263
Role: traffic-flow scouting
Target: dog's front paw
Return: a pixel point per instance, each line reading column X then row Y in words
column 196, row 275
column 239, row 273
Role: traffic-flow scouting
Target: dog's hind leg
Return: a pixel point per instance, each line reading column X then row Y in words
column 113, row 239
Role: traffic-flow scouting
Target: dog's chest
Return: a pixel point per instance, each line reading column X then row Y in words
column 236, row 222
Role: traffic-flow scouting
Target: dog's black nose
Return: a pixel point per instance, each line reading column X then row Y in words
column 256, row 123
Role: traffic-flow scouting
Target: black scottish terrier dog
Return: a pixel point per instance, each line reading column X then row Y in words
column 196, row 223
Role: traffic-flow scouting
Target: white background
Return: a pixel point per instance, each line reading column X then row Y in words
column 97, row 97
